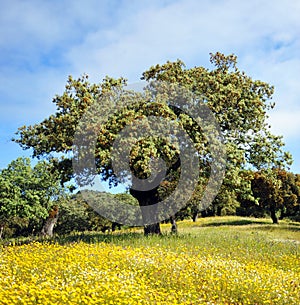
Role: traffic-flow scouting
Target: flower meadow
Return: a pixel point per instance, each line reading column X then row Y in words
column 204, row 266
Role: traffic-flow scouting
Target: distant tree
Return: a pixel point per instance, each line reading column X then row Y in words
column 276, row 191
column 73, row 215
column 239, row 104
column 77, row 215
column 27, row 194
column 230, row 196
column 290, row 194
column 296, row 210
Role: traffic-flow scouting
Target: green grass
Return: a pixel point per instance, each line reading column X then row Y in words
column 210, row 230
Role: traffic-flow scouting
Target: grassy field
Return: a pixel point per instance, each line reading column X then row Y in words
column 224, row 260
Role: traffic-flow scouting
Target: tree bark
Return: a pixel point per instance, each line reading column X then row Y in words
column 273, row 215
column 173, row 225
column 147, row 198
column 195, row 216
column 149, row 228
column 152, row 229
column 48, row 227
column 219, row 211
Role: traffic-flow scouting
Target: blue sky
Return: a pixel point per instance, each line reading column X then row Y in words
column 42, row 42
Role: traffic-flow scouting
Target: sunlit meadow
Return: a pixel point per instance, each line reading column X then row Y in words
column 214, row 261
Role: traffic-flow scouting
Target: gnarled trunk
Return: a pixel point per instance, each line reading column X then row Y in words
column 48, row 227
column 152, row 229
column 146, row 199
column 273, row 215
column 195, row 216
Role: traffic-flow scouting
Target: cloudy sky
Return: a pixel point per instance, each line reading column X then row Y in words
column 42, row 42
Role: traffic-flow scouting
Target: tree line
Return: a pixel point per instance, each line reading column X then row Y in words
column 31, row 195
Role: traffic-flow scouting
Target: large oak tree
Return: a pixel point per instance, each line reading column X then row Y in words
column 239, row 104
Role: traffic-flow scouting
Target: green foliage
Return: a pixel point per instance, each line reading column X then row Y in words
column 73, row 216
column 239, row 103
column 290, row 194
column 277, row 190
column 77, row 215
column 26, row 195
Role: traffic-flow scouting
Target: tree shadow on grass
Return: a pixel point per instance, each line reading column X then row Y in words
column 255, row 224
column 98, row 237
column 284, row 227
column 86, row 237
column 241, row 222
column 134, row 238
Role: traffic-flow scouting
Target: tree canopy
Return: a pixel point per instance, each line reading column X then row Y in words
column 27, row 193
column 277, row 190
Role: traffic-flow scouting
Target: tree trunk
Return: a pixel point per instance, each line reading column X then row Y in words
column 115, row 226
column 219, row 211
column 1, row 231
column 174, row 225
column 149, row 227
column 47, row 229
column 273, row 215
column 152, row 229
column 147, row 198
column 195, row 216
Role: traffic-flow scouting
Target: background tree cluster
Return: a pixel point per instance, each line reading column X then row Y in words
column 29, row 193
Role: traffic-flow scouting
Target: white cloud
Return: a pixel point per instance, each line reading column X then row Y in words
column 185, row 29
column 43, row 42
column 49, row 23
